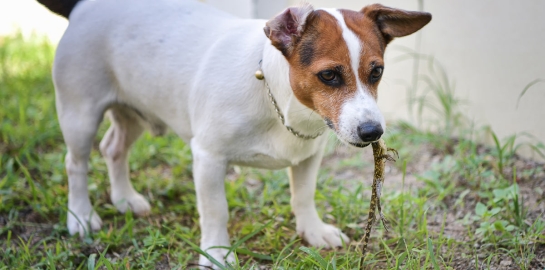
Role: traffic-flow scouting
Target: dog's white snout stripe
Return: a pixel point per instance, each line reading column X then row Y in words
column 362, row 107
column 354, row 44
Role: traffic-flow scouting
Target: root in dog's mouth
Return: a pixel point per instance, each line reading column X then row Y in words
column 360, row 145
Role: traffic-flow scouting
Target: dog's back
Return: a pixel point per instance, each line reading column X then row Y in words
column 157, row 49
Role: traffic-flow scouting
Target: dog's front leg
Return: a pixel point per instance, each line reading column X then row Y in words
column 309, row 225
column 209, row 174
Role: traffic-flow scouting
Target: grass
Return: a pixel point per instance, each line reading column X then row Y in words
column 456, row 203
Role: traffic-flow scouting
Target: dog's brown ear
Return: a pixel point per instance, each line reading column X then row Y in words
column 286, row 29
column 396, row 22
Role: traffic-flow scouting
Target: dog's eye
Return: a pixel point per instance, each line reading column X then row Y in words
column 328, row 75
column 376, row 73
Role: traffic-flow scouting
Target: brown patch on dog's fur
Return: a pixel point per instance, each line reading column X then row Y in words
column 394, row 22
column 373, row 46
column 321, row 48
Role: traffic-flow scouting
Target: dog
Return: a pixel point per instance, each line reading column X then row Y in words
column 182, row 65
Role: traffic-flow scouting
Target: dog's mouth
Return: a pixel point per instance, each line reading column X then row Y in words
column 359, row 145
column 332, row 127
column 329, row 123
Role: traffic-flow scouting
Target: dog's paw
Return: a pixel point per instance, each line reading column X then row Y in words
column 135, row 201
column 83, row 223
column 323, row 235
column 219, row 255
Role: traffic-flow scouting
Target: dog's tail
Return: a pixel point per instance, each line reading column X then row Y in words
column 61, row 7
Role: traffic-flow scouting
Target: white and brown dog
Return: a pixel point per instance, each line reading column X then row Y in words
column 189, row 67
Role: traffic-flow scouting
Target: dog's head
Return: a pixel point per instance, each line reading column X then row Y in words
column 336, row 62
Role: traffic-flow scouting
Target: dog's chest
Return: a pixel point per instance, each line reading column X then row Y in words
column 276, row 152
column 263, row 161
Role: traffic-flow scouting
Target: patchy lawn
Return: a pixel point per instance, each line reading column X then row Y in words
column 451, row 203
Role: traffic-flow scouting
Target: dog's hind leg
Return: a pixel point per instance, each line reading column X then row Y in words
column 123, row 132
column 79, row 123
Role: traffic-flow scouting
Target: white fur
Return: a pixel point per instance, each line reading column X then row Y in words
column 362, row 107
column 186, row 66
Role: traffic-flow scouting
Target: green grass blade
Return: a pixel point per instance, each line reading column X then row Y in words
column 317, row 258
column 91, row 262
column 432, row 255
column 250, row 235
column 528, row 86
column 202, row 252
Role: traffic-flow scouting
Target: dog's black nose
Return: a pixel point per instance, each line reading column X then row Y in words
column 370, row 131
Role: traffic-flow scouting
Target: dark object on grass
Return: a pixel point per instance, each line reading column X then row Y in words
column 61, row 7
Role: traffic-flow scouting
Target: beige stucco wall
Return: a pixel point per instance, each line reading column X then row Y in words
column 490, row 48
